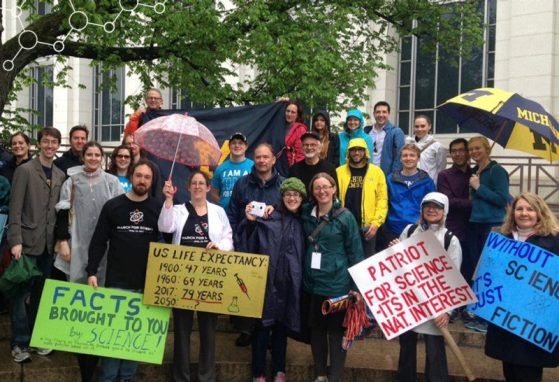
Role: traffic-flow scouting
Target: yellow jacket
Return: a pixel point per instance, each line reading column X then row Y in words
column 374, row 203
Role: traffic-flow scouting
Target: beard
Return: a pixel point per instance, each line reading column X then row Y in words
column 140, row 189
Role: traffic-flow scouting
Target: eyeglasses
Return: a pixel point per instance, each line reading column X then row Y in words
column 153, row 98
column 123, row 156
column 307, row 145
column 292, row 195
column 323, row 188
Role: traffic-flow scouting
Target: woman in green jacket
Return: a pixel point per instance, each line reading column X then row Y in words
column 330, row 252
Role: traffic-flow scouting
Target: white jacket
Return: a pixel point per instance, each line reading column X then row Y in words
column 433, row 158
column 172, row 220
column 454, row 252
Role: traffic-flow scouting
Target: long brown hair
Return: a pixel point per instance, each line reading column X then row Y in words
column 112, row 166
column 547, row 222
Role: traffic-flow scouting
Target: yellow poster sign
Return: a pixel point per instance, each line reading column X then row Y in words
column 208, row 280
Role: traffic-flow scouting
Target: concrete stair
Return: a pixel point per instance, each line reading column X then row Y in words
column 371, row 359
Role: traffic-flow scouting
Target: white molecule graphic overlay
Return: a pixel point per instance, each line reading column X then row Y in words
column 78, row 21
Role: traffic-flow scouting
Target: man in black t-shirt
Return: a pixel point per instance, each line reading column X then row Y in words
column 363, row 191
column 127, row 223
column 312, row 164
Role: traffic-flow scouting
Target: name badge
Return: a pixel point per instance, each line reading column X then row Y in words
column 315, row 260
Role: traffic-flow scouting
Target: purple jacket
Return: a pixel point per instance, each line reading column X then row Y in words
column 455, row 184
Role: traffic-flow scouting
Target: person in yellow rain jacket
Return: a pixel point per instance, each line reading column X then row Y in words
column 363, row 192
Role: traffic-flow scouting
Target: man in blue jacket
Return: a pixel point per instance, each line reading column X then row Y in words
column 388, row 139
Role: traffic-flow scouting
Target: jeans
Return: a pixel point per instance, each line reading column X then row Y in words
column 118, row 370
column 260, row 339
column 23, row 313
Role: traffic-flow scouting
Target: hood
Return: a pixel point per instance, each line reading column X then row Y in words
column 357, row 114
column 326, row 116
column 437, row 198
column 358, row 142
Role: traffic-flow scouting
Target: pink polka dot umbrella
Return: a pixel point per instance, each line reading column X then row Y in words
column 179, row 138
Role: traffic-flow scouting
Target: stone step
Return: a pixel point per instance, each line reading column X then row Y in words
column 462, row 336
column 371, row 359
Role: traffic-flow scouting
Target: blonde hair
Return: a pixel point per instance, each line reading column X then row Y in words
column 484, row 142
column 411, row 147
column 547, row 222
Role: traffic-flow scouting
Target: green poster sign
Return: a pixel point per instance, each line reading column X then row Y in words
column 105, row 322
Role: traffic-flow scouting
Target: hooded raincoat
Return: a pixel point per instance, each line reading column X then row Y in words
column 347, row 135
column 281, row 238
column 85, row 194
column 374, row 198
column 454, row 250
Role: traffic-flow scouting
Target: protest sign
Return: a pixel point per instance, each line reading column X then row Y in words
column 410, row 283
column 518, row 289
column 106, row 322
column 208, row 280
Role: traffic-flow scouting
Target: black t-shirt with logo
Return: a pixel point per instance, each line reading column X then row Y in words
column 127, row 227
column 354, row 192
column 195, row 230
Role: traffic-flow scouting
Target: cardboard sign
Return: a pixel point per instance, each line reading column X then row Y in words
column 105, row 322
column 410, row 283
column 517, row 285
column 206, row 279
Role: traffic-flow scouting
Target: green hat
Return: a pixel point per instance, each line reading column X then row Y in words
column 293, row 184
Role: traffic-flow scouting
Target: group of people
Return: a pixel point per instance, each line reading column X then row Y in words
column 330, row 200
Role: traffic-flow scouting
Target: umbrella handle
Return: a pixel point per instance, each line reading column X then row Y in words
column 175, row 189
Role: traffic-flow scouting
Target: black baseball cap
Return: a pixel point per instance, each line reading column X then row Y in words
column 310, row 134
column 238, row 135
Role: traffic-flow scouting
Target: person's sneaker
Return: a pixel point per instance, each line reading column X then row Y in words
column 243, row 340
column 259, row 379
column 453, row 316
column 21, row 354
column 41, row 351
column 481, row 326
column 280, row 377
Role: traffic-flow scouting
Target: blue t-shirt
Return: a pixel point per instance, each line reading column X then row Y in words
column 125, row 183
column 226, row 175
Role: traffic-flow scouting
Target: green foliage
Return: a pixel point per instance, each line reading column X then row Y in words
column 326, row 53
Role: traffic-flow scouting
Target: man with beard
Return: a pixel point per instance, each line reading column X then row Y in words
column 363, row 192
column 307, row 168
column 127, row 223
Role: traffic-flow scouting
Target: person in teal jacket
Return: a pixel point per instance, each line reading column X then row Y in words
column 325, row 272
column 353, row 128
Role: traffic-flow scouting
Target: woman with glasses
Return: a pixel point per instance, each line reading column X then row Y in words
column 121, row 158
column 281, row 237
column 333, row 245
column 197, row 223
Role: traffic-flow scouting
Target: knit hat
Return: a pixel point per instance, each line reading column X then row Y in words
column 293, row 184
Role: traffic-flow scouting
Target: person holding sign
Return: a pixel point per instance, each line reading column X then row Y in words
column 281, row 237
column 531, row 220
column 333, row 245
column 434, row 209
column 126, row 225
column 202, row 224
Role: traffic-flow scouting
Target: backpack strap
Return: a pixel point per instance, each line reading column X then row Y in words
column 447, row 239
column 411, row 230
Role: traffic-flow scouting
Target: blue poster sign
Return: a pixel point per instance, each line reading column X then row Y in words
column 517, row 286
